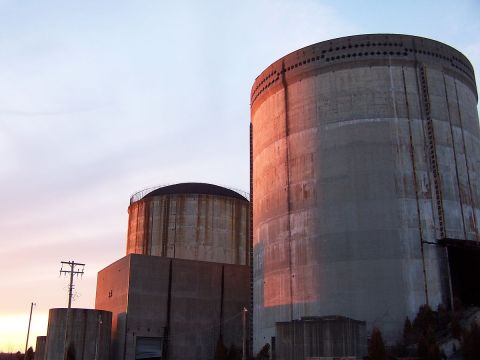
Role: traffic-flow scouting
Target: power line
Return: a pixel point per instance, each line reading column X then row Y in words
column 72, row 268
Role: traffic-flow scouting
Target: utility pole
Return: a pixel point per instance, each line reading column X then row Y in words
column 244, row 327
column 72, row 268
column 28, row 331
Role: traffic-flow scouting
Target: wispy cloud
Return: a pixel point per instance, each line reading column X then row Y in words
column 20, row 113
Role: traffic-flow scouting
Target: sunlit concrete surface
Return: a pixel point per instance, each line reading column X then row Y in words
column 193, row 221
column 366, row 156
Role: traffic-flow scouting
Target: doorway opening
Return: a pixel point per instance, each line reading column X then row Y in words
column 464, row 262
column 148, row 348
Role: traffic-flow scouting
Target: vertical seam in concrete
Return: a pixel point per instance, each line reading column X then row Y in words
column 146, row 228
column 153, row 223
column 126, row 312
column 287, row 165
column 166, row 331
column 392, row 92
column 129, row 229
column 197, row 225
column 455, row 156
column 84, row 322
column 136, row 229
column 175, row 228
column 206, row 236
column 222, row 291
column 236, row 211
column 250, row 233
column 166, row 223
column 415, row 184
column 97, row 335
column 466, row 164
column 212, row 219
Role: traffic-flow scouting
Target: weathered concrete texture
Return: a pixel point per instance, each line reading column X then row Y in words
column 190, row 303
column 112, row 295
column 204, row 227
column 40, row 346
column 366, row 152
column 85, row 332
column 315, row 337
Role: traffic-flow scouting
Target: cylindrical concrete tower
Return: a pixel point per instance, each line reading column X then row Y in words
column 81, row 334
column 40, row 348
column 193, row 221
column 366, row 165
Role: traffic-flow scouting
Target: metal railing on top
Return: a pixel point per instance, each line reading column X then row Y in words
column 140, row 194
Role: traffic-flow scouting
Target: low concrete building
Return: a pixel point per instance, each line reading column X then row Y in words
column 364, row 156
column 324, row 337
column 175, row 308
column 83, row 333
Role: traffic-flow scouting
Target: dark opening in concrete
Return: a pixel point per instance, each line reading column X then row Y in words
column 148, row 348
column 464, row 264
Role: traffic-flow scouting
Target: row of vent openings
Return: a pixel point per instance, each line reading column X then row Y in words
column 353, row 55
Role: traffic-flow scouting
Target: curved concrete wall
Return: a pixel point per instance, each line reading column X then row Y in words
column 202, row 227
column 85, row 331
column 366, row 153
column 40, row 348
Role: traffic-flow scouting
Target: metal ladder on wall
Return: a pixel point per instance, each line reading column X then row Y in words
column 432, row 150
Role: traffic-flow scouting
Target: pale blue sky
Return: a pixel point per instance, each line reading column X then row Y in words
column 99, row 99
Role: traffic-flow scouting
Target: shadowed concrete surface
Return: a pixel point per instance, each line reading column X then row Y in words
column 365, row 156
column 193, row 221
column 40, row 348
column 320, row 337
column 185, row 304
column 84, row 333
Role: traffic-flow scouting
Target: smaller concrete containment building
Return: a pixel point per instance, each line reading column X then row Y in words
column 40, row 345
column 190, row 221
column 83, row 333
column 186, row 277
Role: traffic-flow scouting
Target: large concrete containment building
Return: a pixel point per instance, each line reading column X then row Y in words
column 186, row 278
column 365, row 153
